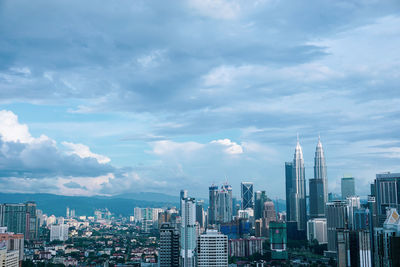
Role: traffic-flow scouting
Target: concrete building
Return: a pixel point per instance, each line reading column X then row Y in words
column 59, row 232
column 212, row 249
column 317, row 229
column 348, row 187
column 224, row 204
column 353, row 248
column 353, row 204
column 11, row 249
column 169, row 246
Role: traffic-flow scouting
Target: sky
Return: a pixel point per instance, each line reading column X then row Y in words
column 113, row 97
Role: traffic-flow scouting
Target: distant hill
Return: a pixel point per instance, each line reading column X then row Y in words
column 119, row 205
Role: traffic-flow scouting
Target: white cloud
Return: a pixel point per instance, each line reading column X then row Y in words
column 166, row 147
column 84, row 152
column 219, row 9
column 232, row 148
column 11, row 130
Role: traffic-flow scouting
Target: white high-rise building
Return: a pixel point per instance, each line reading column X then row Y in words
column 212, row 249
column 316, row 229
column 298, row 210
column 353, row 203
column 59, row 232
column 188, row 232
column 137, row 213
column 224, row 204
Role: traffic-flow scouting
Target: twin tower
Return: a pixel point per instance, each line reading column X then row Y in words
column 296, row 210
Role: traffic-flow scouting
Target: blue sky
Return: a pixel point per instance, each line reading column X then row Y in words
column 110, row 97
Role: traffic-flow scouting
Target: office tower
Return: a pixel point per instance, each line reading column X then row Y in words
column 259, row 199
column 200, row 212
column 59, row 232
column 212, row 208
column 361, row 219
column 20, row 219
column 224, row 204
column 336, row 217
column 353, row 204
column 212, row 249
column 348, row 187
column 298, row 212
column 169, row 246
column 316, row 230
column 188, row 232
column 289, row 187
column 235, row 206
column 353, row 248
column 183, row 194
column 67, row 213
column 236, row 229
column 278, row 240
column 247, row 195
column 387, row 194
column 387, row 241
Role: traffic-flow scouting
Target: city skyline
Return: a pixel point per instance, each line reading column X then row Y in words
column 157, row 97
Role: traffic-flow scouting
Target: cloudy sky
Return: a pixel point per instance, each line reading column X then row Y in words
column 110, row 97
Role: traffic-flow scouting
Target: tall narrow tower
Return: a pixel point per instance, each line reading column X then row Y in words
column 298, row 206
column 318, row 185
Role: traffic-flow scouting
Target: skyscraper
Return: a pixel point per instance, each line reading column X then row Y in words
column 289, row 188
column 188, row 232
column 318, row 185
column 387, row 194
column 224, row 204
column 212, row 208
column 169, row 246
column 200, row 212
column 183, row 194
column 298, row 210
column 212, row 249
column 336, row 217
column 20, row 219
column 259, row 199
column 247, row 195
column 348, row 187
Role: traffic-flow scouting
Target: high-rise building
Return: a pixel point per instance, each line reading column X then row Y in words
column 353, row 204
column 20, row 218
column 297, row 196
column 183, row 194
column 59, row 232
column 247, row 195
column 212, row 249
column 269, row 215
column 316, row 230
column 259, row 199
column 336, row 217
column 348, row 187
column 11, row 248
column 224, row 204
column 245, row 247
column 387, row 194
column 188, row 232
column 387, row 241
column 278, row 240
column 212, row 208
column 169, row 246
column 318, row 185
column 200, row 212
column 289, row 187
